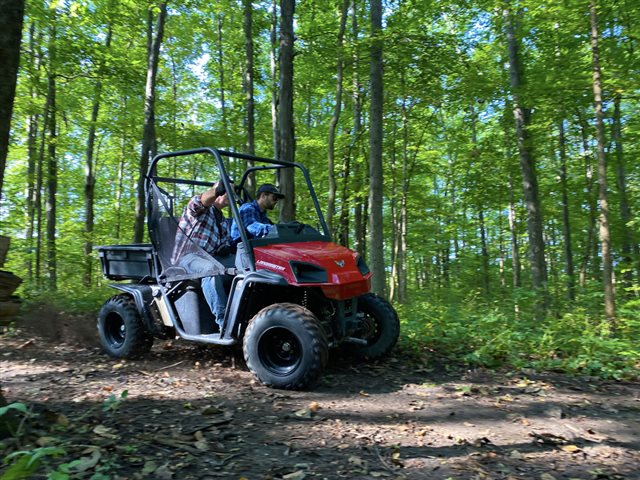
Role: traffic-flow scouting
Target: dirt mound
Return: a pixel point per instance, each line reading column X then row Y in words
column 51, row 324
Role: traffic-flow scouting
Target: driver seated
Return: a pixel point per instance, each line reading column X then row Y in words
column 254, row 214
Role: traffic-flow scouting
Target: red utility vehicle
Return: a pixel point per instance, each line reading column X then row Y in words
column 293, row 294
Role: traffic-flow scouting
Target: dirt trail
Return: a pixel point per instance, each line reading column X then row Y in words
column 196, row 413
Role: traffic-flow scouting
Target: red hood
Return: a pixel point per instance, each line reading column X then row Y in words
column 344, row 279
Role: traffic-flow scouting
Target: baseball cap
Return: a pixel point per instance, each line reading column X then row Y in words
column 270, row 188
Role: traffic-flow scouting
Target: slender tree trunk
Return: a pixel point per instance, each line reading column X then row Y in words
column 376, row 245
column 401, row 259
column 52, row 166
column 566, row 220
column 515, row 247
column 149, row 142
column 89, row 179
column 10, row 37
column 223, row 101
column 248, row 89
column 358, row 210
column 38, row 192
column 629, row 245
column 275, row 126
column 333, row 123
column 287, row 134
column 485, row 253
column 605, row 235
column 527, row 165
column 32, row 153
column 590, row 252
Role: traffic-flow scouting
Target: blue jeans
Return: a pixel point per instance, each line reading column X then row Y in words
column 213, row 287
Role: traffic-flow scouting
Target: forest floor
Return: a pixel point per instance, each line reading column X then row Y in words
column 192, row 412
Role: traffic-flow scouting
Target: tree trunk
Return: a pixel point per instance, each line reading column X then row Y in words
column 149, row 142
column 275, row 126
column 287, row 134
column 10, row 37
column 590, row 251
column 376, row 245
column 32, row 153
column 223, row 101
column 566, row 221
column 527, row 165
column 38, row 193
column 605, row 236
column 52, row 166
column 333, row 123
column 485, row 252
column 89, row 179
column 629, row 245
column 248, row 89
column 358, row 214
column 515, row 247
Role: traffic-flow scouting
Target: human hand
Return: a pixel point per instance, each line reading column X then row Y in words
column 220, row 189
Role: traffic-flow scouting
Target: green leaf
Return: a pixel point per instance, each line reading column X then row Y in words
column 21, row 407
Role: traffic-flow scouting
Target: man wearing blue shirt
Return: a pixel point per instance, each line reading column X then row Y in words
column 254, row 214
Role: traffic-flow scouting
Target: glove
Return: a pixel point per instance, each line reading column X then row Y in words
column 220, row 190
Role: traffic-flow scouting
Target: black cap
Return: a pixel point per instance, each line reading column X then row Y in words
column 270, row 188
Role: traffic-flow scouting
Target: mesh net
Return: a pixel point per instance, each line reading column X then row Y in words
column 180, row 257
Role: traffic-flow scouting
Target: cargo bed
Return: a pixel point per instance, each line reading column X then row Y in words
column 127, row 262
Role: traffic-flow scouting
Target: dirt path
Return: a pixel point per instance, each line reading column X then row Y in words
column 197, row 413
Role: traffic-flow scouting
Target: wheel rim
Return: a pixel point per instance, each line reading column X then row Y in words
column 115, row 330
column 369, row 329
column 279, row 351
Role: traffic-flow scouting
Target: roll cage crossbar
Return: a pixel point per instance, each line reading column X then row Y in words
column 272, row 164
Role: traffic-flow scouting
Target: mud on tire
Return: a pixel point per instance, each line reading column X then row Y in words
column 380, row 327
column 122, row 333
column 285, row 347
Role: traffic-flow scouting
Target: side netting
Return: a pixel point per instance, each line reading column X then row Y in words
column 180, row 257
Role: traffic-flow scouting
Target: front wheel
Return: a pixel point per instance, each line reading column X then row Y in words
column 122, row 333
column 285, row 347
column 379, row 326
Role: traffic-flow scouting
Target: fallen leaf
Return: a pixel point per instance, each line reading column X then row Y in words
column 85, row 463
column 515, row 455
column 104, row 432
column 211, row 410
column 303, row 413
column 149, row 467
column 202, row 445
column 163, row 472
column 299, row 475
column 362, row 393
column 357, row 461
column 547, row 476
column 570, row 448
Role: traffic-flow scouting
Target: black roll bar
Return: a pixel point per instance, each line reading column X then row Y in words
column 218, row 154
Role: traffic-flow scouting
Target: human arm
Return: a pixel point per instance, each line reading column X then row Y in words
column 251, row 217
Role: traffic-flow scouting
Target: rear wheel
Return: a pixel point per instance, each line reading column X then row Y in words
column 285, row 347
column 122, row 333
column 379, row 326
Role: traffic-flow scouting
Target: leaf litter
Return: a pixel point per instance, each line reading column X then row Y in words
column 194, row 413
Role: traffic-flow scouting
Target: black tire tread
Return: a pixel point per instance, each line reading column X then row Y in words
column 319, row 345
column 139, row 340
column 391, row 328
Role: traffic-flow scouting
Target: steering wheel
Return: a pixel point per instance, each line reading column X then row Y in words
column 296, row 226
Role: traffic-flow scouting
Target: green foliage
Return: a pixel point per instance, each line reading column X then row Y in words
column 23, row 464
column 112, row 403
column 496, row 336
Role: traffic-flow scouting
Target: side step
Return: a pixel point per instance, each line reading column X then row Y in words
column 213, row 338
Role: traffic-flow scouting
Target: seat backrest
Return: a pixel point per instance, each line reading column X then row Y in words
column 166, row 236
